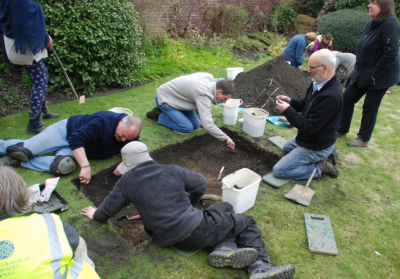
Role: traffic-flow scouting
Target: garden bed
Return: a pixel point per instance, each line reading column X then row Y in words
column 202, row 154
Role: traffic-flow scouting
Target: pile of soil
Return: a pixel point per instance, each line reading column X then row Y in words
column 202, row 154
column 258, row 87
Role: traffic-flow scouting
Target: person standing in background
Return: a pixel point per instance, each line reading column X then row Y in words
column 376, row 69
column 25, row 41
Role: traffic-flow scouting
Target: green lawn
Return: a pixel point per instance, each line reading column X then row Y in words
column 363, row 203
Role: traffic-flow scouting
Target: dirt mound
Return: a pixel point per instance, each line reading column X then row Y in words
column 259, row 87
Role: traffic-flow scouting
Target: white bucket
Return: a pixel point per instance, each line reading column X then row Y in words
column 240, row 189
column 254, row 120
column 233, row 72
column 231, row 109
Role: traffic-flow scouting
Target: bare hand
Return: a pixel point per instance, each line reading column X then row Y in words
column 283, row 98
column 281, row 105
column 50, row 44
column 116, row 171
column 136, row 217
column 85, row 175
column 230, row 143
column 89, row 212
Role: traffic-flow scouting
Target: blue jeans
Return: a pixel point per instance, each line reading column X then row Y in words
column 52, row 139
column 181, row 121
column 299, row 162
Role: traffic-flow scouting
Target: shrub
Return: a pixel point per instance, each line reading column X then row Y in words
column 281, row 17
column 11, row 99
column 345, row 26
column 230, row 21
column 97, row 41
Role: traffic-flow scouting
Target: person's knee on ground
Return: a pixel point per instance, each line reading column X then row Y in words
column 63, row 165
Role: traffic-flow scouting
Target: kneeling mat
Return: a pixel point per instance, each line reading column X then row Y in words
column 184, row 253
column 273, row 181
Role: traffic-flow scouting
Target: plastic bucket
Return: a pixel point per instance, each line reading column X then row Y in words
column 231, row 109
column 231, row 73
column 240, row 189
column 254, row 120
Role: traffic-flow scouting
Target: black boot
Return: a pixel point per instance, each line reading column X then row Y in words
column 227, row 254
column 9, row 162
column 263, row 270
column 35, row 124
column 63, row 165
column 46, row 113
column 19, row 152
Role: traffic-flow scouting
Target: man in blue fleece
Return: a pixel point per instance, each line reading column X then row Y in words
column 78, row 138
column 170, row 217
column 294, row 51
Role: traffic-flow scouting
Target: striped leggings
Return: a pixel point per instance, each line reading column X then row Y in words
column 39, row 77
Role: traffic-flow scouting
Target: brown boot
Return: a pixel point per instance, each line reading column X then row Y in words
column 154, row 113
column 328, row 168
column 357, row 142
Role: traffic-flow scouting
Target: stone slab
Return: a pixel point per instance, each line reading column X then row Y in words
column 278, row 141
column 273, row 181
column 320, row 234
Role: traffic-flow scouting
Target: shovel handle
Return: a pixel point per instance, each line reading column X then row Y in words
column 64, row 72
column 311, row 177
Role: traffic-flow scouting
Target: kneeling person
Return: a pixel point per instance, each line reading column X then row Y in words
column 178, row 100
column 317, row 118
column 171, row 219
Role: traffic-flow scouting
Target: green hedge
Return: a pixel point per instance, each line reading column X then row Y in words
column 98, row 43
column 345, row 26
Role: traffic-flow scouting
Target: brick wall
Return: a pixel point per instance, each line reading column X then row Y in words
column 190, row 13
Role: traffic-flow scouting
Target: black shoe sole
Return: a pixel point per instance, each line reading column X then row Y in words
column 283, row 274
column 240, row 258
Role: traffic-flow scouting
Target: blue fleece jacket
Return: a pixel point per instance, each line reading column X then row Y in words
column 294, row 51
column 96, row 133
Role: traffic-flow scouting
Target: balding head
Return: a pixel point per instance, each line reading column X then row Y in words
column 322, row 65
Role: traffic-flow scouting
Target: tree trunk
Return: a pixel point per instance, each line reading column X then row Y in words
column 325, row 8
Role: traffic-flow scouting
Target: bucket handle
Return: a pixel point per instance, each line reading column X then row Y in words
column 241, row 102
column 263, row 110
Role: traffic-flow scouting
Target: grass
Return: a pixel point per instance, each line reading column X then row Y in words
column 363, row 203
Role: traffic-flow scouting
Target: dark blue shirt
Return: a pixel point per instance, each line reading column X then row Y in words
column 96, row 133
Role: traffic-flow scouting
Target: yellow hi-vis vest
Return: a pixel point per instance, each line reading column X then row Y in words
column 319, row 38
column 36, row 247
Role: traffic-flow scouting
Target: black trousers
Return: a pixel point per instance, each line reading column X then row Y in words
column 220, row 225
column 371, row 105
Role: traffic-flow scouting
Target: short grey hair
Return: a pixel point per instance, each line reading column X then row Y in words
column 133, row 122
column 330, row 61
column 14, row 195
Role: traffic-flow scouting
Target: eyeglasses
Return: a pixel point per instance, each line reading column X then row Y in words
column 313, row 67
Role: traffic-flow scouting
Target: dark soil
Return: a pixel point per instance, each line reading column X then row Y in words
column 258, row 87
column 202, row 154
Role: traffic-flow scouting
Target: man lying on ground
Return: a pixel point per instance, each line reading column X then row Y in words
column 80, row 137
column 171, row 219
column 316, row 117
column 37, row 245
column 178, row 100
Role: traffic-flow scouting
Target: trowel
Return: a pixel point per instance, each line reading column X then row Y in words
column 302, row 194
column 220, row 173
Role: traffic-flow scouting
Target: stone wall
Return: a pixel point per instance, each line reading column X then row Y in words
column 190, row 13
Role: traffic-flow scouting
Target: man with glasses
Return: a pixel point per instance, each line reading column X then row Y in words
column 316, row 116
